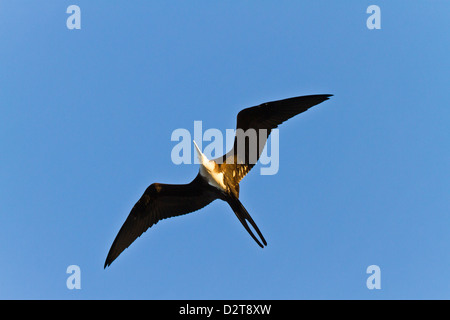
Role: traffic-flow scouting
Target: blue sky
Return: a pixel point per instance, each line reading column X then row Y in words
column 87, row 116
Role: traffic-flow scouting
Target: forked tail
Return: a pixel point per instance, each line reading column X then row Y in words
column 244, row 216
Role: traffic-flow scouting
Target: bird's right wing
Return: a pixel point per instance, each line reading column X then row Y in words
column 262, row 119
column 159, row 201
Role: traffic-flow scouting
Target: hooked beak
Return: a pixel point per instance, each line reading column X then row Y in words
column 199, row 153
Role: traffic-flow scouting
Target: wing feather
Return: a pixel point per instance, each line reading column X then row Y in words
column 159, row 201
column 267, row 116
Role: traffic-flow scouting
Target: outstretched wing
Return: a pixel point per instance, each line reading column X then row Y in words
column 159, row 201
column 254, row 126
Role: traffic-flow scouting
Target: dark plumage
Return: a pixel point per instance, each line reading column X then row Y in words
column 161, row 201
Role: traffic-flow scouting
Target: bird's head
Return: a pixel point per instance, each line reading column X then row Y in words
column 204, row 161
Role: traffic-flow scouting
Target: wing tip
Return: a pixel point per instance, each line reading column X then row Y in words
column 112, row 255
column 324, row 96
column 319, row 98
column 108, row 262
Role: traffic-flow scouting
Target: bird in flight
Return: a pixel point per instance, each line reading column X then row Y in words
column 217, row 179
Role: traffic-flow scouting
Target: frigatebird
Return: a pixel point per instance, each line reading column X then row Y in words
column 217, row 179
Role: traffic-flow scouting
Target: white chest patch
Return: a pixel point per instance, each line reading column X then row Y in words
column 215, row 179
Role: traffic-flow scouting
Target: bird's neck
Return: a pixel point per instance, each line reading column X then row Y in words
column 209, row 171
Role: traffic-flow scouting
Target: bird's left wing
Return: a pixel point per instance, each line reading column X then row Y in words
column 159, row 201
column 262, row 119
